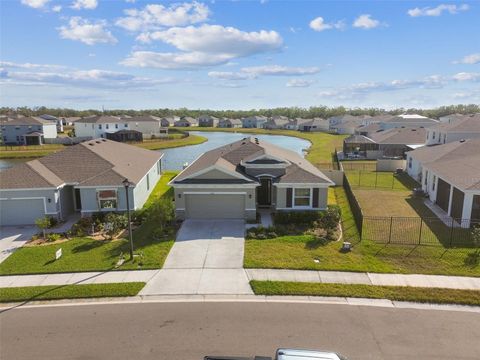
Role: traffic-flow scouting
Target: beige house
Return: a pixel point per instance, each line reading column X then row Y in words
column 459, row 127
column 233, row 181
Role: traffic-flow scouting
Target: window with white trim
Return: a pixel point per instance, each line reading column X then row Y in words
column 302, row 198
column 107, row 199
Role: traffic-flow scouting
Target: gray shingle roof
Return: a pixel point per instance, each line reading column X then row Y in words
column 400, row 136
column 27, row 120
column 231, row 157
column 92, row 163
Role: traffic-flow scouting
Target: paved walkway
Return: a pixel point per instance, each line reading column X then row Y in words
column 13, row 238
column 232, row 281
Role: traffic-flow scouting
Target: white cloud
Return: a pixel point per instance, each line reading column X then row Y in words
column 465, row 76
column 229, row 75
column 190, row 60
column 319, row 24
column 366, row 21
column 277, row 70
column 155, row 16
column 94, row 78
column 36, row 4
column 217, row 39
column 84, row 4
column 469, row 59
column 89, row 33
column 206, row 45
column 299, row 83
column 57, row 8
column 437, row 11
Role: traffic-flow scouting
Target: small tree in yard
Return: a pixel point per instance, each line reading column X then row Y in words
column 116, row 222
column 43, row 224
column 162, row 213
column 473, row 258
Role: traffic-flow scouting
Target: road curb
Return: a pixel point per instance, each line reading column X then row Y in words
column 195, row 298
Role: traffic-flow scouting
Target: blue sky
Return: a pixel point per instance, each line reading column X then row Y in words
column 238, row 54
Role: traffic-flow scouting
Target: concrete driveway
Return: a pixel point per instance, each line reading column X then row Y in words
column 13, row 237
column 207, row 258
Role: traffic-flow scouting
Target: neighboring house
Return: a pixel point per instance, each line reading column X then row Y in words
column 208, row 121
column 410, row 121
column 316, row 124
column 254, row 122
column 55, row 120
column 168, row 121
column 186, row 121
column 233, row 181
column 464, row 127
column 69, row 121
column 450, row 118
column 27, row 130
column 450, row 175
column 294, row 124
column 369, row 129
column 396, row 142
column 84, row 178
column 100, row 126
column 277, row 122
column 230, row 123
column 346, row 127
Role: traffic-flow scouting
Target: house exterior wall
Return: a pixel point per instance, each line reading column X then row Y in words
column 281, row 197
column 99, row 130
column 414, row 168
column 251, row 122
column 141, row 192
column 214, row 174
column 14, row 133
column 145, row 127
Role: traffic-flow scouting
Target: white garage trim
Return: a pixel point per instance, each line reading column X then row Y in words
column 214, row 193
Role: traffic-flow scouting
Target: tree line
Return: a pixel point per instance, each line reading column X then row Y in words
column 290, row 112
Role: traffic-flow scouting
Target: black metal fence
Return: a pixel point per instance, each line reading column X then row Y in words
column 356, row 165
column 418, row 231
column 354, row 205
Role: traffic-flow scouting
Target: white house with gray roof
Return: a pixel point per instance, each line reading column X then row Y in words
column 233, row 181
column 84, row 178
column 28, row 130
column 457, row 128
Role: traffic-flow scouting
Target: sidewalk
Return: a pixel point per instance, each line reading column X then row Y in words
column 337, row 277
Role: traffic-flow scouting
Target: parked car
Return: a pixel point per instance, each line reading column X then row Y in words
column 288, row 354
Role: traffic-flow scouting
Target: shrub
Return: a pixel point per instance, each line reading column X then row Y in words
column 296, row 217
column 329, row 218
column 53, row 222
column 261, row 233
column 139, row 216
column 53, row 237
column 43, row 224
column 162, row 213
column 116, row 223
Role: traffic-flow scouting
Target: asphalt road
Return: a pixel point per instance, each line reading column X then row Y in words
column 192, row 330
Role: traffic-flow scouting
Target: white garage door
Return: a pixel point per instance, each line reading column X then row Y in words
column 21, row 212
column 215, row 206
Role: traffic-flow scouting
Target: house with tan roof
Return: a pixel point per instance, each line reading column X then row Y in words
column 84, row 179
column 234, row 180
column 459, row 127
column 450, row 176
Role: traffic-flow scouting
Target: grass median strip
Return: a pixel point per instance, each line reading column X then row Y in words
column 396, row 293
column 56, row 292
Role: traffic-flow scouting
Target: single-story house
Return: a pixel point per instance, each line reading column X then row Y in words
column 207, row 121
column 316, row 124
column 276, row 122
column 234, row 180
column 408, row 120
column 346, row 127
column 28, row 130
column 186, row 121
column 449, row 174
column 465, row 127
column 168, row 121
column 84, row 178
column 230, row 123
column 254, row 122
column 397, row 141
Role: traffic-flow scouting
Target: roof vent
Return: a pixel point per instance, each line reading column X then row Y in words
column 91, row 144
column 462, row 140
column 104, row 140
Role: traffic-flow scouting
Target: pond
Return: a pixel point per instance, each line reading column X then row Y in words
column 175, row 158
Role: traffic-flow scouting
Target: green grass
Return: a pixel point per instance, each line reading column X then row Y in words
column 320, row 152
column 85, row 254
column 167, row 144
column 380, row 180
column 396, row 293
column 301, row 251
column 55, row 292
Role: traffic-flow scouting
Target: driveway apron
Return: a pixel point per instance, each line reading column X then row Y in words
column 207, row 258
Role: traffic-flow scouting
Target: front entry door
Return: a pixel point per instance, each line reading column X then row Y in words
column 78, row 200
column 264, row 192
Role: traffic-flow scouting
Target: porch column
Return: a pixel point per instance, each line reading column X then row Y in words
column 467, row 209
column 450, row 197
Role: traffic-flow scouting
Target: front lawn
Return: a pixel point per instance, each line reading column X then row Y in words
column 85, row 254
column 303, row 253
column 56, row 292
column 395, row 293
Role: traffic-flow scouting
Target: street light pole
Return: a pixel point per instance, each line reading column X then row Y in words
column 127, row 184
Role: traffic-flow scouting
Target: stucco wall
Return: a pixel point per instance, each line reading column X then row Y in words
column 281, row 202
column 51, row 207
column 141, row 192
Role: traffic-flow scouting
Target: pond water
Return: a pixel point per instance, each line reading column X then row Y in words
column 175, row 158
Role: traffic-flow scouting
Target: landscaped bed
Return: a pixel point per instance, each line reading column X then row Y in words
column 395, row 293
column 56, row 292
column 151, row 244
